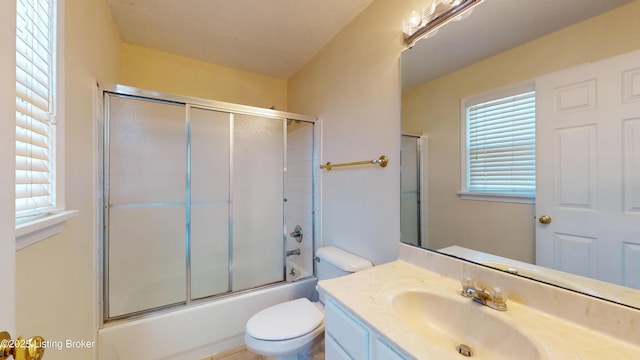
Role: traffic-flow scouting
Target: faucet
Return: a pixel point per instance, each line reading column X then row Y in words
column 495, row 298
column 292, row 252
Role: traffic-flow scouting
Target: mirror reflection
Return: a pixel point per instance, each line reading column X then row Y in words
column 578, row 226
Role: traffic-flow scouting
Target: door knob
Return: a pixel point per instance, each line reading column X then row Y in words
column 21, row 349
column 545, row 219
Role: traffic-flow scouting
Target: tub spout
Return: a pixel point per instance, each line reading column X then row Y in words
column 292, row 252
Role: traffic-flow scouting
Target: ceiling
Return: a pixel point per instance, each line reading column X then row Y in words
column 271, row 37
column 493, row 27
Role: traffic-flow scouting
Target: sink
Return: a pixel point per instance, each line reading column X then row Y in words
column 452, row 322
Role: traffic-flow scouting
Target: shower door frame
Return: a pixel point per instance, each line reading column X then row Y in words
column 103, row 163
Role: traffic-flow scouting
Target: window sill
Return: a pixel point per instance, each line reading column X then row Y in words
column 508, row 198
column 38, row 229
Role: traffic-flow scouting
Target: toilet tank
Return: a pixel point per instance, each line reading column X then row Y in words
column 332, row 262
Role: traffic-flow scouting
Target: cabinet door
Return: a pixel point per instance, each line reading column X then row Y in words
column 383, row 351
column 350, row 334
column 332, row 350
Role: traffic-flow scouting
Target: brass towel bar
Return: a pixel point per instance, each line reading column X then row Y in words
column 382, row 161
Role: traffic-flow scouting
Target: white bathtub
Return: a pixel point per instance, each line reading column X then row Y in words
column 195, row 331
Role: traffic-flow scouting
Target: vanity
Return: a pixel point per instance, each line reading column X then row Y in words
column 412, row 308
column 347, row 337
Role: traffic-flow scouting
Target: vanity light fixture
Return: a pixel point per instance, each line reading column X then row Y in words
column 426, row 22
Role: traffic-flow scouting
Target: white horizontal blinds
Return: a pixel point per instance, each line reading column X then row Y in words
column 34, row 106
column 501, row 144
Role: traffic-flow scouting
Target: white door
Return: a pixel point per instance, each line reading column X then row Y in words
column 588, row 170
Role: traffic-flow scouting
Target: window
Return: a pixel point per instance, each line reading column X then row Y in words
column 37, row 203
column 499, row 145
column 34, row 107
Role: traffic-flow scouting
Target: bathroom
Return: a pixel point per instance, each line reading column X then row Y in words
column 352, row 85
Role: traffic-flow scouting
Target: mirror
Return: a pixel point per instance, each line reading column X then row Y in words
column 502, row 43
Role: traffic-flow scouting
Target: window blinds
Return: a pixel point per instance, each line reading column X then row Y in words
column 501, row 145
column 34, row 106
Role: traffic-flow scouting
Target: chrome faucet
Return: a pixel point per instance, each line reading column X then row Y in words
column 495, row 298
column 292, row 252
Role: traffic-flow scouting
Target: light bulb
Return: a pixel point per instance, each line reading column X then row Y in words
column 411, row 22
column 428, row 13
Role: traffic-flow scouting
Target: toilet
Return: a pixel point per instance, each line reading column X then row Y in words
column 295, row 329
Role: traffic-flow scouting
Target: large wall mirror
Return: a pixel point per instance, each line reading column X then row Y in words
column 582, row 60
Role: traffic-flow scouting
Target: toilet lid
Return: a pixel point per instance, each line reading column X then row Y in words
column 285, row 321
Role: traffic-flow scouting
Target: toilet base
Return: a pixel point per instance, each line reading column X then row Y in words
column 311, row 351
column 315, row 353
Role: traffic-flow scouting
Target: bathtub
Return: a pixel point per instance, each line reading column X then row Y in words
column 194, row 331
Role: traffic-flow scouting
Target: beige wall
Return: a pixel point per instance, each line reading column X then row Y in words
column 160, row 71
column 7, row 164
column 499, row 228
column 57, row 287
column 353, row 86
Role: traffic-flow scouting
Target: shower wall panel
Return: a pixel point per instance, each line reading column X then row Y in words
column 299, row 195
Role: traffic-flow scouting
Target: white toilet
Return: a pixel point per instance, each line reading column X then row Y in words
column 295, row 329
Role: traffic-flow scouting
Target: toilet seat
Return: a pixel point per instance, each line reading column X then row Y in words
column 284, row 321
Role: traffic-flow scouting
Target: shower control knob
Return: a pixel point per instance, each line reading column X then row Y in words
column 297, row 233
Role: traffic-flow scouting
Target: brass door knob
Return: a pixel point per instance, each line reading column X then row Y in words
column 545, row 219
column 5, row 345
column 21, row 349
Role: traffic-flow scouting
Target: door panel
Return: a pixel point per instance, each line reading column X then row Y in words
column 146, row 253
column 575, row 166
column 209, row 175
column 588, row 170
column 631, row 163
column 257, row 201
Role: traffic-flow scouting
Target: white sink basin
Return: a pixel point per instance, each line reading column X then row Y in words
column 449, row 322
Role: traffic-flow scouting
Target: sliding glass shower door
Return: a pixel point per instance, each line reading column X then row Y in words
column 210, row 178
column 193, row 203
column 258, row 201
column 146, row 204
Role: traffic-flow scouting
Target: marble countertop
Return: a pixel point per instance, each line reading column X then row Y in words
column 368, row 294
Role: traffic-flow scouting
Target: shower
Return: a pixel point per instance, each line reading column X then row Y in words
column 199, row 198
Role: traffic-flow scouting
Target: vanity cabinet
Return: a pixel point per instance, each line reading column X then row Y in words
column 348, row 338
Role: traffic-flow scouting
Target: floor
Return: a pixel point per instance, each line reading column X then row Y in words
column 237, row 353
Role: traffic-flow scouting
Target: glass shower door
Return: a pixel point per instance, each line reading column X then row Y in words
column 209, row 178
column 257, row 201
column 194, row 201
column 146, row 205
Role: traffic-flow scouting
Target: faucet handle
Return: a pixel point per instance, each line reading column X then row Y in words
column 498, row 295
column 467, row 282
column 498, row 298
column 467, row 286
